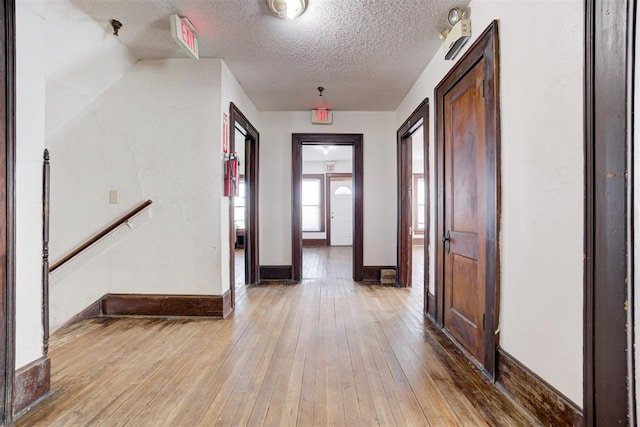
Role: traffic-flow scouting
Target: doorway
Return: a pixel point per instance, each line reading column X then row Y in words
column 353, row 141
column 243, row 210
column 467, row 132
column 413, row 201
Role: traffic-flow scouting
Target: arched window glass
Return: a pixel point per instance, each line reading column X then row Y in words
column 343, row 189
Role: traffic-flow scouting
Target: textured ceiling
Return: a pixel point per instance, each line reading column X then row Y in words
column 366, row 53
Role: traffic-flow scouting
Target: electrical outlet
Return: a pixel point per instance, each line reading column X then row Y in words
column 113, row 197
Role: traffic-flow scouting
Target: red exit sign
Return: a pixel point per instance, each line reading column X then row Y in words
column 322, row 117
column 183, row 35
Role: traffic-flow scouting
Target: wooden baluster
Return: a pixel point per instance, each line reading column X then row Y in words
column 45, row 250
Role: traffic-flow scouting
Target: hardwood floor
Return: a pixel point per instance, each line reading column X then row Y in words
column 417, row 268
column 238, row 261
column 328, row 351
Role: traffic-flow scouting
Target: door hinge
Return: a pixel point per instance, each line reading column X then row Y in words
column 483, row 88
column 483, row 319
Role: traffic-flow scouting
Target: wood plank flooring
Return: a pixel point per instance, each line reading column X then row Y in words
column 328, row 351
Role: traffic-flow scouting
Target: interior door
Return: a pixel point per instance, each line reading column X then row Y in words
column 341, row 212
column 465, row 210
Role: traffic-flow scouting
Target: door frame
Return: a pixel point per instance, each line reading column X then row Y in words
column 419, row 117
column 251, row 175
column 485, row 47
column 328, row 178
column 609, row 371
column 7, row 209
column 297, row 141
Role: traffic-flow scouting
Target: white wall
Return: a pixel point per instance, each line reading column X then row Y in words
column 83, row 60
column 541, row 233
column 155, row 135
column 30, row 125
column 417, row 151
column 379, row 149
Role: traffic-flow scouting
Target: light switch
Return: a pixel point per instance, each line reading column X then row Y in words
column 113, row 197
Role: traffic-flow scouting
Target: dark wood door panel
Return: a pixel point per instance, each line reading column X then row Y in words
column 463, row 317
column 464, row 219
column 464, row 243
column 463, row 291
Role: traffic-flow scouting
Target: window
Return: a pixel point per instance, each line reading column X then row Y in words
column 238, row 206
column 418, row 203
column 343, row 189
column 312, row 202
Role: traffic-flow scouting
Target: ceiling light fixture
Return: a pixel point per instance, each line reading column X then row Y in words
column 456, row 37
column 455, row 15
column 287, row 9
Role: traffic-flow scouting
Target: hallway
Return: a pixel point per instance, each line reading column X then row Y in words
column 326, row 351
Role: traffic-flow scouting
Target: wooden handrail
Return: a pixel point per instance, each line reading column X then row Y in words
column 117, row 223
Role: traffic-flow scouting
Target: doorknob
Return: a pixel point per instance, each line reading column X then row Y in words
column 447, row 241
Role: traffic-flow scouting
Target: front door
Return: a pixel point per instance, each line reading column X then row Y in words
column 341, row 212
column 465, row 211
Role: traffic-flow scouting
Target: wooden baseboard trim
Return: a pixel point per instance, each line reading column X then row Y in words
column 32, row 382
column 311, row 243
column 166, row 305
column 276, row 272
column 431, row 302
column 371, row 273
column 537, row 396
column 226, row 304
column 91, row 312
column 417, row 241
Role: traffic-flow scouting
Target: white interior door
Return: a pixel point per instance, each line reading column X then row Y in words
column 341, row 212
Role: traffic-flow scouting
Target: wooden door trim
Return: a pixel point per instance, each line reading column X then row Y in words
column 608, row 241
column 329, row 178
column 251, row 244
column 485, row 47
column 297, row 141
column 419, row 116
column 7, row 218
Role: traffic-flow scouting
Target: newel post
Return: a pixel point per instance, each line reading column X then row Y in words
column 45, row 251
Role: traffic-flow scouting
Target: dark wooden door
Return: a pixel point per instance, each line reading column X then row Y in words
column 405, row 140
column 465, row 211
column 251, row 264
column 405, row 193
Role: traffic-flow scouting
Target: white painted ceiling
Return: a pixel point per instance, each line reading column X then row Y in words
column 366, row 53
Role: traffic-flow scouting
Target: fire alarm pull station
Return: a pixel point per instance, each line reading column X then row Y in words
column 231, row 178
